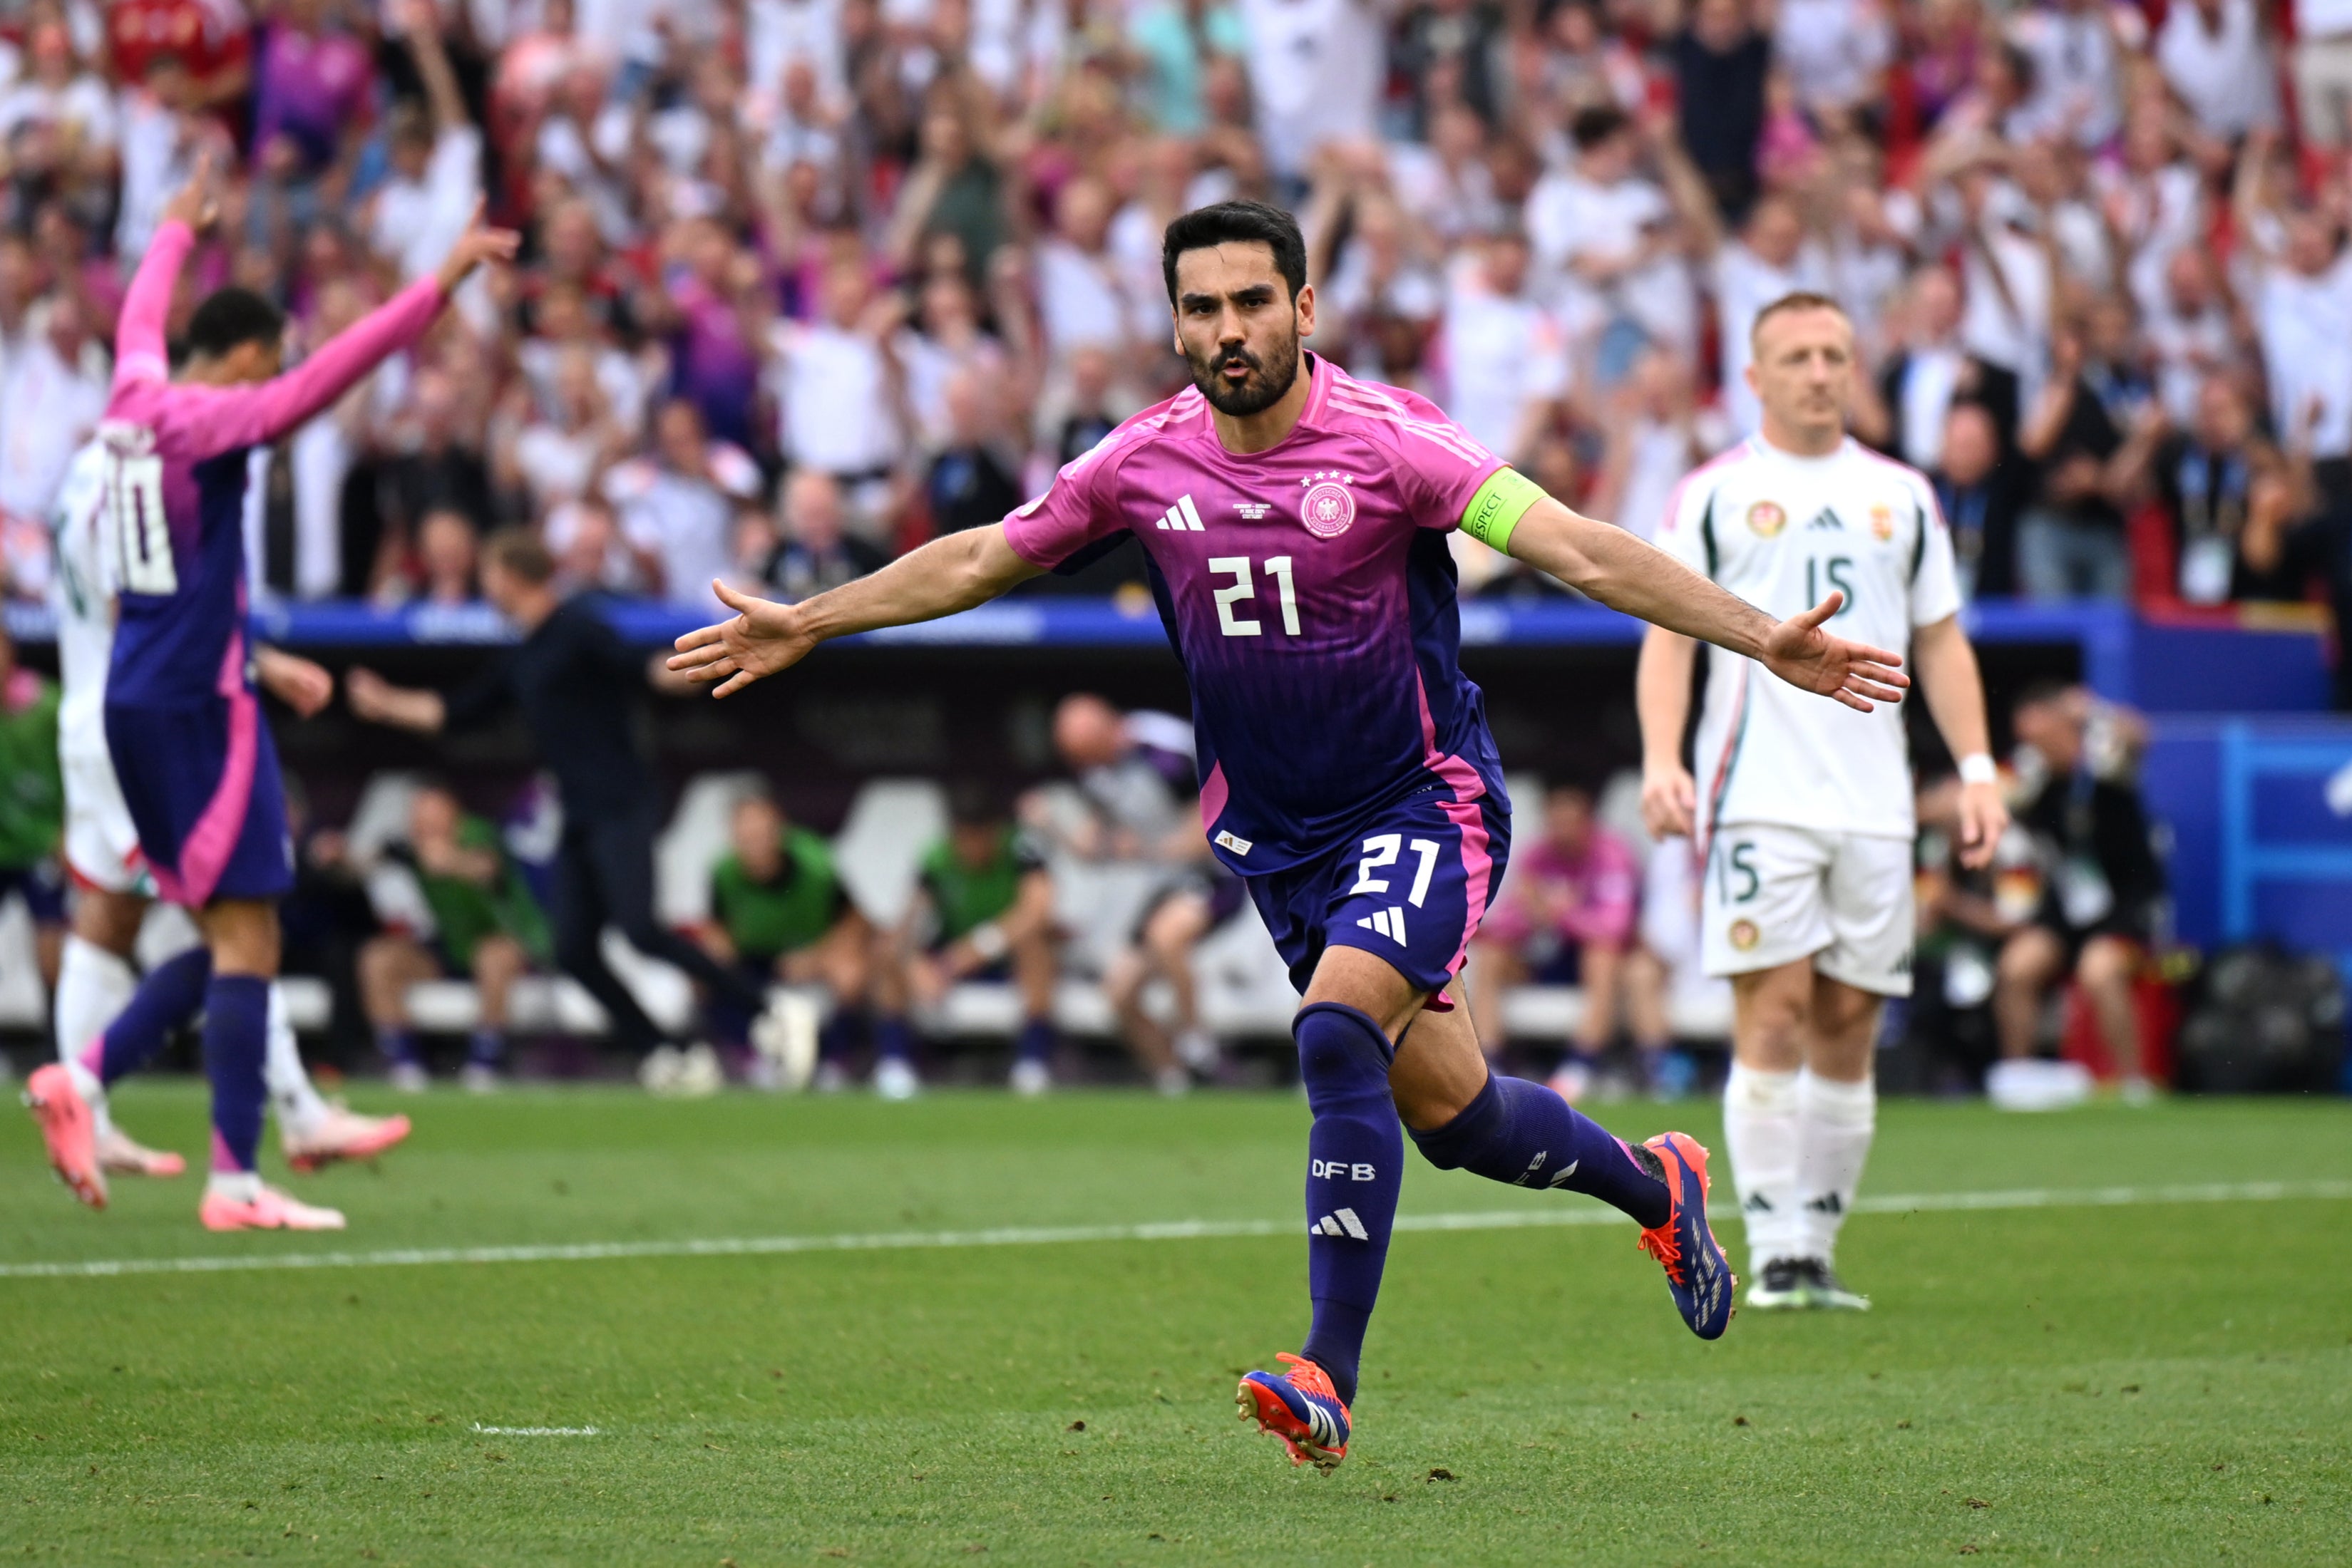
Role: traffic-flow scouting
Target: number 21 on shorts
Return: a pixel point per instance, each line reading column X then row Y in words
column 1382, row 849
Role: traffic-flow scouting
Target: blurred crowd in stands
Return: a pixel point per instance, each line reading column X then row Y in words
column 808, row 281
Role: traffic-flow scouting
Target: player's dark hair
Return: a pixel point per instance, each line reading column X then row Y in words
column 1803, row 299
column 975, row 803
column 1593, row 125
column 2041, row 692
column 1237, row 223
column 520, row 551
column 229, row 318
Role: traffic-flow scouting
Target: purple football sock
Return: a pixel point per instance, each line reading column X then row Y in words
column 1355, row 1168
column 237, row 1038
column 1525, row 1135
column 165, row 1000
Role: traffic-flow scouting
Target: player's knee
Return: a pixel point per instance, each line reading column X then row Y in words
column 1342, row 1054
column 2105, row 965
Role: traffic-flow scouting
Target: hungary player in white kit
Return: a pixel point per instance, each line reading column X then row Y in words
column 1803, row 810
column 1294, row 521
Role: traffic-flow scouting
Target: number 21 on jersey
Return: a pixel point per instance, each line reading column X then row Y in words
column 1243, row 588
column 134, row 507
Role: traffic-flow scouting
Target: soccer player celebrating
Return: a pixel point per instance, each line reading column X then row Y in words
column 195, row 763
column 114, row 890
column 1806, row 820
column 1293, row 519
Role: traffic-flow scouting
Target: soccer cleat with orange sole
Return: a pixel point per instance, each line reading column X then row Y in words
column 269, row 1210
column 1301, row 1408
column 341, row 1135
column 68, row 1130
column 119, row 1151
column 1697, row 1273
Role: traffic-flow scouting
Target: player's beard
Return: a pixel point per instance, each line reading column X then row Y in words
column 1269, row 380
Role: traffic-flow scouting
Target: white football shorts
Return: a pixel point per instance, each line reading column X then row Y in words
column 1775, row 895
column 101, row 844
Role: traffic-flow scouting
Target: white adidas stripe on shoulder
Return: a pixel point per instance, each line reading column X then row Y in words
column 1356, row 399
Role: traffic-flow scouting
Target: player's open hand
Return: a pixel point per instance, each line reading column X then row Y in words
column 477, row 244
column 1984, row 817
column 762, row 638
column 197, row 203
column 1669, row 802
column 1801, row 653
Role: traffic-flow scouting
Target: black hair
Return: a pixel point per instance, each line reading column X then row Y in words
column 2039, row 692
column 1593, row 125
column 1237, row 223
column 975, row 803
column 230, row 318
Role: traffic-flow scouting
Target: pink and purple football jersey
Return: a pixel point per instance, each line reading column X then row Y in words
column 1310, row 592
column 192, row 755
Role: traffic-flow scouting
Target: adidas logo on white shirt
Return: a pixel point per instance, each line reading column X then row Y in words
column 1389, row 922
column 1181, row 516
column 1341, row 1222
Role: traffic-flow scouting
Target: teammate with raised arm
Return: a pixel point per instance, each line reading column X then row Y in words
column 1293, row 519
column 112, row 890
column 196, row 767
column 1806, row 817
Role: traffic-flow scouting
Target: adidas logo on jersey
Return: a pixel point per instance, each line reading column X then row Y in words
column 1182, row 516
column 1389, row 922
column 1825, row 520
column 1341, row 1222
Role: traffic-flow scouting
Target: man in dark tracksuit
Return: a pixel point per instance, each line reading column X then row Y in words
column 577, row 687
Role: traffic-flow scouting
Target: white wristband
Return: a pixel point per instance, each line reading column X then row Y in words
column 1977, row 769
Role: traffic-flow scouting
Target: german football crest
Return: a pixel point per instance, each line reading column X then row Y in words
column 1766, row 520
column 1329, row 508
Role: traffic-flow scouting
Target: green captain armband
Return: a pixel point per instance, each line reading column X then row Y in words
column 1498, row 506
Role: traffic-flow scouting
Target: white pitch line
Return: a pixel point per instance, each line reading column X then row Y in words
column 1164, row 1230
column 539, row 1431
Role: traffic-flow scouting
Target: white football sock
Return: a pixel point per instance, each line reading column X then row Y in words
column 93, row 986
column 291, row 1092
column 237, row 1186
column 1834, row 1125
column 1759, row 1133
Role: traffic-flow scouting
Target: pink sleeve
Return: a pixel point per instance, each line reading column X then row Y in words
column 140, row 352
column 1056, row 526
column 197, row 422
column 1612, row 895
column 1439, row 464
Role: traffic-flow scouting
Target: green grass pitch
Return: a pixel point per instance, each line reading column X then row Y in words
column 2142, row 1381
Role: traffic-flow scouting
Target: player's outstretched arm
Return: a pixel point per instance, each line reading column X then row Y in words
column 940, row 579
column 1950, row 681
column 1624, row 573
column 231, row 417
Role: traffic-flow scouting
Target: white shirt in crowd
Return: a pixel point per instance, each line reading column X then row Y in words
column 1744, row 284
column 685, row 521
column 833, row 393
column 1923, row 395
column 48, row 408
column 2305, row 326
column 1316, row 70
column 1782, row 532
column 1501, row 353
column 2225, row 75
column 776, row 32
column 1831, row 50
column 1660, row 455
column 2076, row 77
column 1570, row 218
column 83, row 106
column 158, row 153
column 2322, row 18
column 417, row 220
column 1086, row 299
